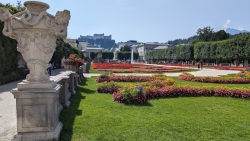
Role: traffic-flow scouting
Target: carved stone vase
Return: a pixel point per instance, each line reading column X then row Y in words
column 71, row 68
column 37, row 97
column 35, row 31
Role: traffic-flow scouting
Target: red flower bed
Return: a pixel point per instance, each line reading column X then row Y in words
column 225, row 80
column 134, row 68
column 158, row 70
column 111, row 66
column 229, row 68
column 133, row 100
column 107, row 90
column 117, row 78
column 178, row 91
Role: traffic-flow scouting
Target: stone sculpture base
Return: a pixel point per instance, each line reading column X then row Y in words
column 40, row 136
column 34, row 85
column 37, row 114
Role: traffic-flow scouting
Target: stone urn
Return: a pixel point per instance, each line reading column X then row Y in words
column 37, row 97
column 71, row 68
column 36, row 31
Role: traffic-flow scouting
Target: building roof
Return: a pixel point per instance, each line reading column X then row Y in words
column 161, row 47
column 95, row 48
column 152, row 44
column 91, row 46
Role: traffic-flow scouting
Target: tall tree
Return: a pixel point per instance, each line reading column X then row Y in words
column 219, row 36
column 125, row 48
column 205, row 34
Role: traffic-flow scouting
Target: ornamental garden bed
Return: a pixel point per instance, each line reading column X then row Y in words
column 136, row 68
column 94, row 116
column 160, row 86
column 240, row 78
column 230, row 68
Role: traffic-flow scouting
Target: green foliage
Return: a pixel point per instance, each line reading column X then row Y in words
column 64, row 50
column 13, row 9
column 105, row 55
column 126, row 55
column 205, row 34
column 182, row 41
column 125, row 48
column 235, row 48
column 8, row 53
column 219, row 36
column 182, row 52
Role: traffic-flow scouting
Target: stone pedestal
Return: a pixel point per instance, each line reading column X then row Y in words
column 72, row 83
column 76, row 76
column 37, row 97
column 37, row 114
column 85, row 67
column 79, row 73
column 64, row 92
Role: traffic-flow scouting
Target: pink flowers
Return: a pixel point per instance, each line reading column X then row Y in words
column 226, row 80
column 160, row 86
column 134, row 68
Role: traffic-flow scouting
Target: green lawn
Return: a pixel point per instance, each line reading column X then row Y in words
column 95, row 117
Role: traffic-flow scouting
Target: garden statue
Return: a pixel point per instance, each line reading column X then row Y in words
column 36, row 31
column 98, row 58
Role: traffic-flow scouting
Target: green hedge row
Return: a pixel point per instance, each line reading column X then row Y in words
column 237, row 48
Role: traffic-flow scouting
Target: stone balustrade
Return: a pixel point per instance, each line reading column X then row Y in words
column 68, row 80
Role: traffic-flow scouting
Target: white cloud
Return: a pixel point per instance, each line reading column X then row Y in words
column 225, row 26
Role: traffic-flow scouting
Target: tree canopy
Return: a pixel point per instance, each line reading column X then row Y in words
column 125, row 48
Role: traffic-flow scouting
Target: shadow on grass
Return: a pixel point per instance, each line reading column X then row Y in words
column 67, row 116
column 82, row 89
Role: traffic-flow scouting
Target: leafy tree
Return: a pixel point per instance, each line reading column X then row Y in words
column 219, row 36
column 205, row 34
column 182, row 41
column 8, row 51
column 125, row 48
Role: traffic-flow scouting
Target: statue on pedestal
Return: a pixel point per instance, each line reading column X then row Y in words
column 36, row 31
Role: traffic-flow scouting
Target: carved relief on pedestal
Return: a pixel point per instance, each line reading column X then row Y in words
column 35, row 67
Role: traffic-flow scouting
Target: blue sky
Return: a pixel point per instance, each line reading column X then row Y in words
column 150, row 20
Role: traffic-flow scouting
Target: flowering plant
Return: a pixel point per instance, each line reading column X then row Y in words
column 73, row 59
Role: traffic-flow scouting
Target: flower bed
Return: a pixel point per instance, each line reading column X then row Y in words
column 152, row 92
column 134, row 78
column 121, row 78
column 111, row 66
column 108, row 87
column 154, row 70
column 229, row 68
column 225, row 80
column 73, row 60
column 161, row 87
column 135, row 68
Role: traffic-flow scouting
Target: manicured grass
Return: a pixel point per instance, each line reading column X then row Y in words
column 95, row 117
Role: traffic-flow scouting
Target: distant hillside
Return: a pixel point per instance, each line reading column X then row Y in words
column 233, row 31
column 182, row 41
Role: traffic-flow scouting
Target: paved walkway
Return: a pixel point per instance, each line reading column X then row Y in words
column 8, row 123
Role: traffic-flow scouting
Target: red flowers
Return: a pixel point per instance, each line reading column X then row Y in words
column 226, row 80
column 135, row 68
